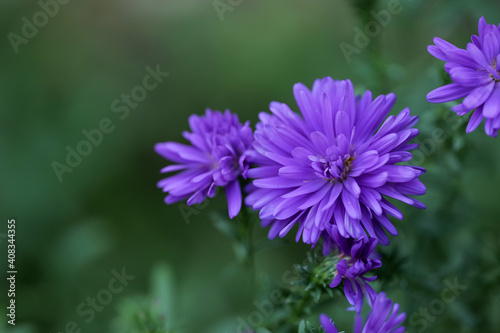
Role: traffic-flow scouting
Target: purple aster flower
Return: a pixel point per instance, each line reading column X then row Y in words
column 379, row 320
column 475, row 73
column 219, row 153
column 334, row 165
column 355, row 264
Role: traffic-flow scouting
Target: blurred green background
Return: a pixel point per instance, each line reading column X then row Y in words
column 107, row 213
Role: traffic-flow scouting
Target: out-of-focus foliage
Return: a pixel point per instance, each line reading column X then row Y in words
column 153, row 313
column 107, row 214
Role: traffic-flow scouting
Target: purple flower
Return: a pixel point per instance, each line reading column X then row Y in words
column 355, row 264
column 220, row 153
column 475, row 73
column 379, row 320
column 334, row 165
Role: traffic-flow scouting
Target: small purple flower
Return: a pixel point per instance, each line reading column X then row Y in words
column 334, row 165
column 475, row 73
column 355, row 264
column 379, row 320
column 219, row 155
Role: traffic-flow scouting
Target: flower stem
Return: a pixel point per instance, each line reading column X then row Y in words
column 300, row 310
column 246, row 238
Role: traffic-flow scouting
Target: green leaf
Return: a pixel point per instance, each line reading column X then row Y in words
column 316, row 295
column 163, row 294
column 302, row 327
column 224, row 225
column 240, row 251
column 306, row 327
column 310, row 328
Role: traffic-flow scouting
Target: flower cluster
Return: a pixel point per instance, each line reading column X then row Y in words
column 475, row 73
column 329, row 170
column 219, row 154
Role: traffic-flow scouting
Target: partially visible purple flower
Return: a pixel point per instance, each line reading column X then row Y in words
column 333, row 165
column 379, row 320
column 219, row 154
column 356, row 262
column 327, row 324
column 475, row 73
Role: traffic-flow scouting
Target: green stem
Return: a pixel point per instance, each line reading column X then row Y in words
column 299, row 311
column 303, row 304
column 247, row 240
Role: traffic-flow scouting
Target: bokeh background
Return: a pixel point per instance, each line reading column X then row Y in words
column 107, row 214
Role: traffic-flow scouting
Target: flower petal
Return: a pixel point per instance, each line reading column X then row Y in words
column 469, row 77
column 491, row 107
column 351, row 204
column 478, row 96
column 447, row 93
column 233, row 194
column 436, row 52
column 491, row 48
